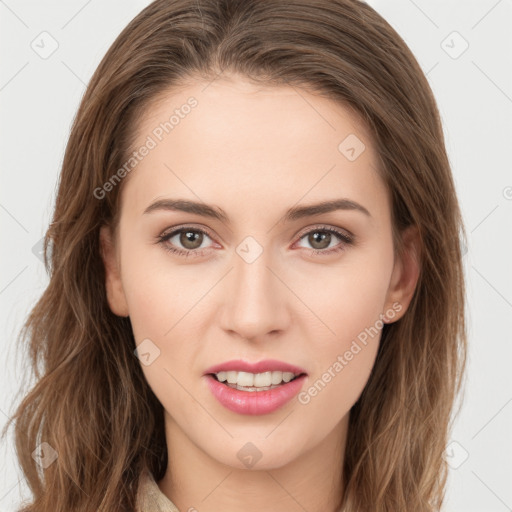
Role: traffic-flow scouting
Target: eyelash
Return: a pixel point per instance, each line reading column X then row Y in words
column 346, row 240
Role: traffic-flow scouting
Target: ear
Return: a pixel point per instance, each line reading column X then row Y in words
column 113, row 284
column 405, row 275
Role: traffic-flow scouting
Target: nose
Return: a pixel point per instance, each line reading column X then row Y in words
column 256, row 300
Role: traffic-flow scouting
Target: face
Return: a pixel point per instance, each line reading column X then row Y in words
column 251, row 274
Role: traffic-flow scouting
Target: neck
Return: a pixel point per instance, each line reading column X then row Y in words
column 312, row 481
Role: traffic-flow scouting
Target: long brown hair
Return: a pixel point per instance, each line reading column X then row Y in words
column 91, row 402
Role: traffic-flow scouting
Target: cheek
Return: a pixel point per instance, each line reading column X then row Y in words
column 159, row 323
column 160, row 300
column 343, row 364
column 154, row 292
column 347, row 300
column 347, row 339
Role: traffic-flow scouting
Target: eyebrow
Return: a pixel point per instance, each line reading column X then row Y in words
column 294, row 213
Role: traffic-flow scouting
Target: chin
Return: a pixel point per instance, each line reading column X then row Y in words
column 257, row 453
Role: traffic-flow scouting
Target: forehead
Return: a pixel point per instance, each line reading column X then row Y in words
column 239, row 143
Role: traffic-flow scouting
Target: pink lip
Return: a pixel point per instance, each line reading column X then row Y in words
column 254, row 402
column 267, row 365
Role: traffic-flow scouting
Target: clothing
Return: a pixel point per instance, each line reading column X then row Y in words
column 150, row 498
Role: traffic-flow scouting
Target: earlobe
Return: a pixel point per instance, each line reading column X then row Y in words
column 405, row 275
column 113, row 283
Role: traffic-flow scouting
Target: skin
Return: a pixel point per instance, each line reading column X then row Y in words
column 255, row 151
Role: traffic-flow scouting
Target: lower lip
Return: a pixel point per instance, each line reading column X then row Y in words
column 254, row 402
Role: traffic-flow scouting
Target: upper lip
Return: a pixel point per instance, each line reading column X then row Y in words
column 267, row 365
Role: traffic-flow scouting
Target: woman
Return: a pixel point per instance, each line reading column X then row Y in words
column 256, row 295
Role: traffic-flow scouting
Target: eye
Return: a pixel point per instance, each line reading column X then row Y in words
column 190, row 238
column 321, row 239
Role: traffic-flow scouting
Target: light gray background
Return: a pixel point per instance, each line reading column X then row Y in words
column 39, row 98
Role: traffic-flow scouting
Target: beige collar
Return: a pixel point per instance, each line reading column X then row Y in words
column 150, row 498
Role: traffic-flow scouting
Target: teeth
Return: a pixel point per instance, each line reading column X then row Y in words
column 276, row 377
column 258, row 380
column 287, row 376
column 263, row 379
column 231, row 377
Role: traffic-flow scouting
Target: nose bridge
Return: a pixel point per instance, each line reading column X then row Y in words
column 256, row 299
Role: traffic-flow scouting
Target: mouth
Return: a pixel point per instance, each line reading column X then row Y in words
column 255, row 388
column 254, row 382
